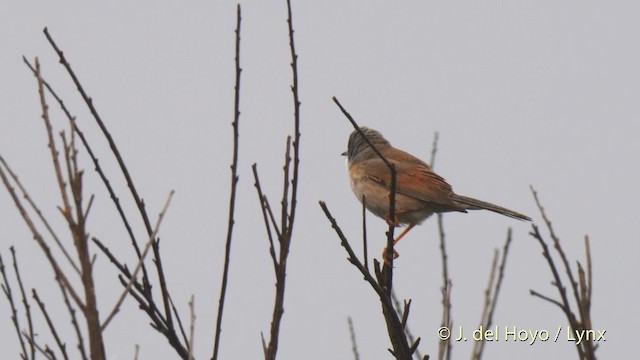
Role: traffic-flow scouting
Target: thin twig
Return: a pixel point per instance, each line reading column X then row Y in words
column 180, row 326
column 284, row 202
column 434, row 149
column 354, row 345
column 387, row 272
column 444, row 346
column 558, row 247
column 365, row 255
column 60, row 276
column 98, row 169
column 232, row 197
column 491, row 293
column 6, row 288
column 134, row 275
column 35, row 208
column 296, row 123
column 547, row 298
column 125, row 172
column 288, row 204
column 586, row 349
column 52, row 144
column 45, row 352
column 52, row 327
column 405, row 314
column 264, row 207
column 192, row 326
column 27, row 308
column 74, row 322
column 401, row 348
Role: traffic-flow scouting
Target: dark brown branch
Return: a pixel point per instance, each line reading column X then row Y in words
column 52, row 144
column 159, row 321
column 232, row 197
column 134, row 275
column 265, row 209
column 289, row 200
column 387, row 270
column 296, row 123
column 35, row 208
column 401, row 348
column 89, row 101
column 546, row 298
column 62, row 346
column 6, row 288
column 284, row 203
column 60, row 276
column 558, row 247
column 46, row 352
column 365, row 254
column 139, row 202
column 74, row 321
column 25, row 303
column 77, row 227
column 434, row 149
column 192, row 326
column 180, row 326
column 586, row 349
column 405, row 315
column 354, row 345
column 285, row 241
column 98, row 169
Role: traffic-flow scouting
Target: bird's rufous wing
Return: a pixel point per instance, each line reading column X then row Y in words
column 414, row 178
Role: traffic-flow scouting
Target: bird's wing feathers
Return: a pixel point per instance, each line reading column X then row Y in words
column 416, row 180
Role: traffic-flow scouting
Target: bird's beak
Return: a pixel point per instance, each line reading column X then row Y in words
column 344, row 153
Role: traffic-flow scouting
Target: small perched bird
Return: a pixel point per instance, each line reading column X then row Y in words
column 420, row 192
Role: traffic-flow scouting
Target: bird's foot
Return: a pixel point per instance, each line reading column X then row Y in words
column 387, row 258
column 394, row 222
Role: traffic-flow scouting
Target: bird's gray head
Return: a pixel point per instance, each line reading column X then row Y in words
column 359, row 149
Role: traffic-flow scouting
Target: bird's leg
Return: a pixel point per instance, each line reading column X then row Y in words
column 395, row 253
column 403, row 233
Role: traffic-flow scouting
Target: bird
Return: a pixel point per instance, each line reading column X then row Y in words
column 419, row 192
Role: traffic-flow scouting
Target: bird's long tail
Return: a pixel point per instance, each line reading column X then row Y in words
column 474, row 204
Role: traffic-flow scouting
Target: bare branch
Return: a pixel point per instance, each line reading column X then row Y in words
column 60, row 276
column 354, row 345
column 98, row 169
column 133, row 277
column 27, row 308
column 365, row 255
column 401, row 348
column 35, row 208
column 582, row 294
column 6, row 288
column 288, row 203
column 45, row 352
column 264, row 206
column 52, row 327
column 232, row 197
column 192, row 327
column 491, row 293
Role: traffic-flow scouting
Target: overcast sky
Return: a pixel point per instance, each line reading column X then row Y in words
column 541, row 93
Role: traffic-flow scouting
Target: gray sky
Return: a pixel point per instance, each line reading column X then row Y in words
column 522, row 93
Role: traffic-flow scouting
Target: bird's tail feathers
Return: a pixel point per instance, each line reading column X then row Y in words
column 474, row 204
